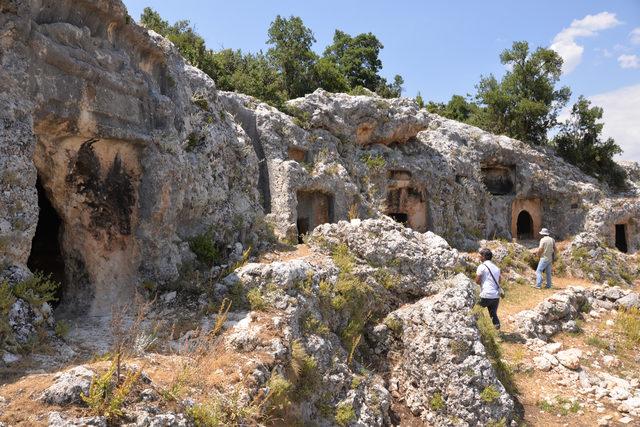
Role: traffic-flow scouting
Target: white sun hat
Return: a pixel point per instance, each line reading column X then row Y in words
column 544, row 232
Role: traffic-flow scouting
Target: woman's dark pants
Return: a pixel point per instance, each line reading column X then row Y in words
column 492, row 306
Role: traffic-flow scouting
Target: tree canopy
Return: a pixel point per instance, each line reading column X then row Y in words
column 579, row 142
column 290, row 68
column 525, row 103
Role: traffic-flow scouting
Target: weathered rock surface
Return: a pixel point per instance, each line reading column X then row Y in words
column 439, row 366
column 68, row 386
column 560, row 311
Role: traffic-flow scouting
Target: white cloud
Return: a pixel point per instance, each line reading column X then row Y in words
column 629, row 61
column 622, row 118
column 634, row 35
column 565, row 41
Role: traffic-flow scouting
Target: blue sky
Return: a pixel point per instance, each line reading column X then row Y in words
column 442, row 48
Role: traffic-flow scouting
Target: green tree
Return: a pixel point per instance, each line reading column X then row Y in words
column 357, row 58
column 190, row 44
column 329, row 77
column 579, row 142
column 390, row 90
column 292, row 55
column 525, row 103
column 420, row 100
column 458, row 108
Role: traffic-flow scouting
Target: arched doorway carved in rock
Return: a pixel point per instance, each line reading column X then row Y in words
column 524, row 226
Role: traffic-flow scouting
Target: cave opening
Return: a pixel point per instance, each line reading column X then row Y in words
column 499, row 180
column 524, row 226
column 407, row 205
column 402, row 218
column 621, row 238
column 314, row 208
column 46, row 252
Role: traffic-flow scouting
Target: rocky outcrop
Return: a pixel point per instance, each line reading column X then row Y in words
column 127, row 142
column 439, row 368
column 560, row 311
column 69, row 386
column 325, row 302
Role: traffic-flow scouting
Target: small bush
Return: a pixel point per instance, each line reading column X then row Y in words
column 312, row 325
column 374, row 162
column 627, row 323
column 343, row 258
column 37, row 290
column 344, row 414
column 224, row 410
column 256, row 300
column 394, row 324
column 489, row 394
column 199, row 100
column 437, row 403
column 278, row 398
column 62, row 328
column 304, row 371
column 193, row 140
column 204, row 248
column 488, row 337
column 108, row 393
column 598, row 342
column 6, row 301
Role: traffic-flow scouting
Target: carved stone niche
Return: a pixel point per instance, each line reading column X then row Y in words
column 297, row 154
column 526, row 218
column 406, row 201
column 499, row 180
column 314, row 208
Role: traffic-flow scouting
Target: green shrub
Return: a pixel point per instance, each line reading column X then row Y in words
column 6, row 301
column 204, row 248
column 37, row 290
column 488, row 337
column 344, row 414
column 627, row 323
column 374, row 162
column 224, row 410
column 193, row 140
column 489, row 394
column 62, row 328
column 394, row 324
column 437, row 403
column 108, row 393
column 598, row 342
column 200, row 101
column 304, row 371
column 279, row 397
column 343, row 259
column 312, row 325
column 256, row 300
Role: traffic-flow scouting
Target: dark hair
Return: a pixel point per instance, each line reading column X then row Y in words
column 486, row 253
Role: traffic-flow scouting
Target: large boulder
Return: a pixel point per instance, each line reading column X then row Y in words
column 69, row 386
column 440, row 367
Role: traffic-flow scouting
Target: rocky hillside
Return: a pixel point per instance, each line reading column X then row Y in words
column 198, row 257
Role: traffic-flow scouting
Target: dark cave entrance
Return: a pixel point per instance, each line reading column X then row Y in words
column 525, row 226
column 621, row 238
column 314, row 208
column 402, row 218
column 499, row 179
column 46, row 254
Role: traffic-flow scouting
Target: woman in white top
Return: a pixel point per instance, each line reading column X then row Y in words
column 488, row 277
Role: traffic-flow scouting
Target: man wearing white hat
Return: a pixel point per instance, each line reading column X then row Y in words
column 546, row 251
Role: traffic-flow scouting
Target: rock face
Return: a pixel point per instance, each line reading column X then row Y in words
column 362, row 270
column 123, row 154
column 126, row 142
column 439, row 366
column 69, row 386
column 560, row 311
column 370, row 156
